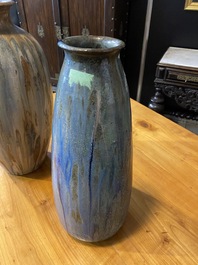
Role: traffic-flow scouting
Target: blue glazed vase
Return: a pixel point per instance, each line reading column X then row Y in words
column 91, row 140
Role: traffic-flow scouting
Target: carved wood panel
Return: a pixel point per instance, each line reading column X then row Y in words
column 187, row 98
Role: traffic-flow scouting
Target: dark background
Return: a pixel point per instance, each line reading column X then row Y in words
column 171, row 25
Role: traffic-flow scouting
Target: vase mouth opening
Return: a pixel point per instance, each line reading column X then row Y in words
column 91, row 44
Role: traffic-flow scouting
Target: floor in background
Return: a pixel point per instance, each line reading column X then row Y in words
column 191, row 125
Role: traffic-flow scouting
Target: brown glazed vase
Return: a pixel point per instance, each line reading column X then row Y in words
column 25, row 98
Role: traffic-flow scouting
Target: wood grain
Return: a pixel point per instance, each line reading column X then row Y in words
column 162, row 223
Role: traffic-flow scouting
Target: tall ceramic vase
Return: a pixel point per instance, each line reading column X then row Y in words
column 91, row 140
column 25, row 98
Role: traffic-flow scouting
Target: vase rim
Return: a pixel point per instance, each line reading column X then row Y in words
column 91, row 44
column 6, row 2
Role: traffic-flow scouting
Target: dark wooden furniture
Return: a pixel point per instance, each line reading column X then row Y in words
column 176, row 84
column 49, row 21
column 37, row 17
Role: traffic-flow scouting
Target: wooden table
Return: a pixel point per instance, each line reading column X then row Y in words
column 162, row 223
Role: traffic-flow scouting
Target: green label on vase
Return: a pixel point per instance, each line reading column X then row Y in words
column 81, row 78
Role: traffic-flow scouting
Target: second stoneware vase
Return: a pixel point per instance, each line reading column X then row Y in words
column 91, row 141
column 25, row 98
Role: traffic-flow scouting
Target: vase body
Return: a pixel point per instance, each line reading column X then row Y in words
column 25, row 98
column 91, row 139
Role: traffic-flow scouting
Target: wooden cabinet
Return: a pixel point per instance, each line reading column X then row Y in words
column 49, row 21
column 37, row 17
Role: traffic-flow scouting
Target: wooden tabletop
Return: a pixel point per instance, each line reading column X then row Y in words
column 162, row 222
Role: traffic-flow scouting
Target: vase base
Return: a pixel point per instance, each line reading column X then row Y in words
column 87, row 239
column 24, row 172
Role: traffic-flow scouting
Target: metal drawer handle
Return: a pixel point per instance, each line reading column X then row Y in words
column 85, row 31
column 40, row 29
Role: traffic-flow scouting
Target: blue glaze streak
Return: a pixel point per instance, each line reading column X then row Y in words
column 90, row 172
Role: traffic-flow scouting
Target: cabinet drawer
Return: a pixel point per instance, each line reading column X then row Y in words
column 182, row 77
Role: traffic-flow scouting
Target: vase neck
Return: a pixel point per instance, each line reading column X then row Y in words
column 5, row 13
